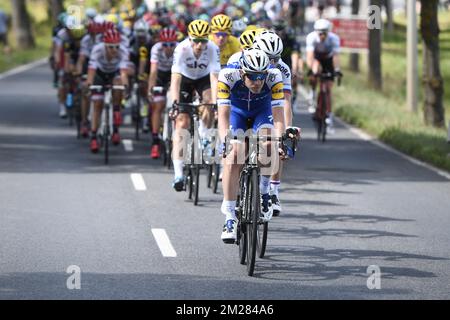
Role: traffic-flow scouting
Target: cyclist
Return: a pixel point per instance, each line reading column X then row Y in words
column 108, row 65
column 196, row 66
column 271, row 44
column 221, row 26
column 252, row 92
column 95, row 31
column 322, row 56
column 246, row 40
column 161, row 60
column 140, row 47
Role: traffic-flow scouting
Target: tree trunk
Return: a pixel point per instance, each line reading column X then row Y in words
column 354, row 57
column 434, row 112
column 105, row 5
column 389, row 14
column 22, row 25
column 375, row 75
column 56, row 7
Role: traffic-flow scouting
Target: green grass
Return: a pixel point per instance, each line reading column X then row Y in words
column 42, row 32
column 384, row 114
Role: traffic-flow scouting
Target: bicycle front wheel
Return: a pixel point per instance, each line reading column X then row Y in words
column 252, row 223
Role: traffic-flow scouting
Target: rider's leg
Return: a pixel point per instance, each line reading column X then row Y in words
column 179, row 138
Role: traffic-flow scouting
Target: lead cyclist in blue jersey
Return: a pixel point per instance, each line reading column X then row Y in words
column 251, row 93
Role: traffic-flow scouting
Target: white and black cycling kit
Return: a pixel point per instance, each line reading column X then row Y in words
column 324, row 51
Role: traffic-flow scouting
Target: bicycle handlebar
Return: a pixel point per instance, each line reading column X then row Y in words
column 99, row 88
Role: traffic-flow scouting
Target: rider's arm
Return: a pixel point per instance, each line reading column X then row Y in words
column 277, row 102
column 223, row 97
column 213, row 78
column 336, row 50
column 80, row 63
column 310, row 39
column 175, row 83
column 153, row 76
column 175, row 80
column 143, row 55
column 215, row 69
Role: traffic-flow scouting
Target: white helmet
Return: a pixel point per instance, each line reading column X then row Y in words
column 254, row 60
column 270, row 43
column 141, row 27
column 322, row 25
column 91, row 13
column 239, row 25
column 99, row 19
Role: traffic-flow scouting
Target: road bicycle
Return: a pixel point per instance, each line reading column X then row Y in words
column 194, row 149
column 323, row 99
column 105, row 129
column 252, row 229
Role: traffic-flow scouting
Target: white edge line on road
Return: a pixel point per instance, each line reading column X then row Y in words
column 138, row 182
column 366, row 137
column 128, row 145
column 164, row 244
column 23, row 68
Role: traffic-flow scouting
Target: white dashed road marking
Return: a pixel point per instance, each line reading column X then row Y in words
column 163, row 242
column 128, row 145
column 138, row 182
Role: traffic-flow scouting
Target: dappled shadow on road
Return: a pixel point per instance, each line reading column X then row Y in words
column 309, row 217
column 41, row 285
column 316, row 264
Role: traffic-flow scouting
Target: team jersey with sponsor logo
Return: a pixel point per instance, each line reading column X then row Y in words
column 98, row 59
column 323, row 50
column 188, row 65
column 159, row 56
column 233, row 62
column 229, row 48
column 231, row 91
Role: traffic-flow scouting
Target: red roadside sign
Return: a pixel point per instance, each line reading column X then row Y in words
column 353, row 32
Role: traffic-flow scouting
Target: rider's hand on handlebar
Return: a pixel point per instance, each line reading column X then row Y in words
column 293, row 132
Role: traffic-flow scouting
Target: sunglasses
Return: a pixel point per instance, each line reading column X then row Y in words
column 274, row 59
column 113, row 46
column 200, row 40
column 169, row 44
column 323, row 33
column 221, row 34
column 253, row 76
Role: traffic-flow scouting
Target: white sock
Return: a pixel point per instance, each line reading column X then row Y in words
column 264, row 184
column 228, row 209
column 274, row 186
column 178, row 168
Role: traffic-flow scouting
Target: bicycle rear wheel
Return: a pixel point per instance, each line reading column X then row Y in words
column 252, row 222
column 137, row 124
column 215, row 177
column 262, row 239
column 189, row 183
column 106, row 135
column 196, row 182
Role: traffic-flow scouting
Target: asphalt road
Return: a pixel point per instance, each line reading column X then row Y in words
column 348, row 205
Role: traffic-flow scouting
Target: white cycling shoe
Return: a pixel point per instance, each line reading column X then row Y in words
column 266, row 208
column 229, row 231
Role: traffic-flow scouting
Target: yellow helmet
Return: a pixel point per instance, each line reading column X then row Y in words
column 78, row 32
column 260, row 30
column 246, row 39
column 112, row 18
column 222, row 23
column 251, row 27
column 199, row 29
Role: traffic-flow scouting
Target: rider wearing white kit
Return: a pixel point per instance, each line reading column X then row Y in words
column 322, row 55
column 196, row 65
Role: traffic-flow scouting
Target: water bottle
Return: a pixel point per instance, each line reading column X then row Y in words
column 69, row 100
